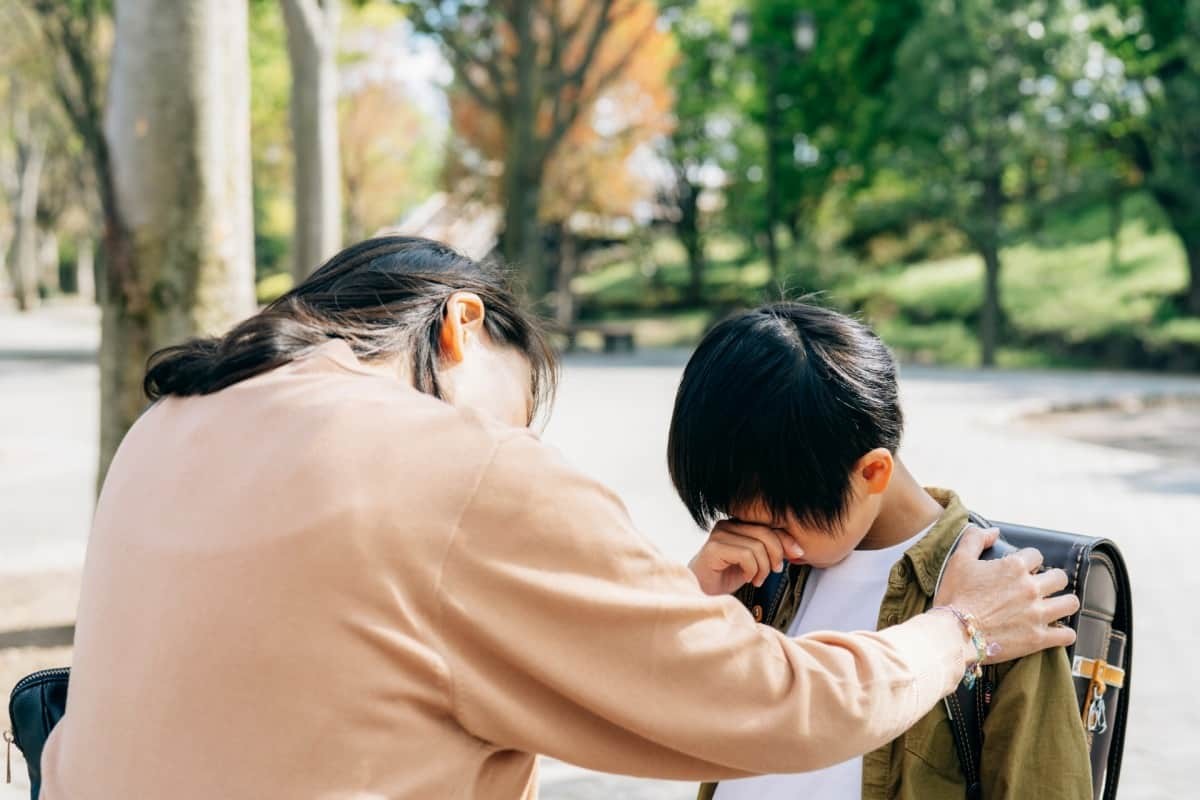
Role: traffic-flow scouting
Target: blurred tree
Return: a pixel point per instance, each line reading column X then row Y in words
column 600, row 168
column 42, row 144
column 29, row 127
column 1159, row 43
column 538, row 66
column 820, row 71
column 29, row 140
column 178, row 129
column 704, row 119
column 172, row 169
column 388, row 163
column 270, row 140
column 982, row 89
column 312, row 45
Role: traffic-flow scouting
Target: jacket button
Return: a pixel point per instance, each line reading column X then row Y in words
column 757, row 612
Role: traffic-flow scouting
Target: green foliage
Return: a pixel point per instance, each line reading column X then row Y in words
column 272, row 287
column 270, row 138
column 832, row 101
column 1063, row 296
column 1066, row 302
column 1157, row 41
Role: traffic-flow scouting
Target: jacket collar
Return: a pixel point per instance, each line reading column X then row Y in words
column 928, row 555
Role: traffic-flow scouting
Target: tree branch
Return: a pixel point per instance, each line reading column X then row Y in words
column 596, row 36
column 461, row 60
column 562, row 124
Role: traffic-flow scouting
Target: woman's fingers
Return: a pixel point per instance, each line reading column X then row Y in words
column 1029, row 558
column 1009, row 601
column 974, row 541
column 1051, row 581
column 1059, row 636
column 1062, row 607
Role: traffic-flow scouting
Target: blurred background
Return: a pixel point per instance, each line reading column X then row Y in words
column 1012, row 185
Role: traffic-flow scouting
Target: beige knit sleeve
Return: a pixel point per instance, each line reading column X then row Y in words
column 566, row 633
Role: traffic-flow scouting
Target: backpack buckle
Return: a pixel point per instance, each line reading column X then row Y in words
column 1100, row 675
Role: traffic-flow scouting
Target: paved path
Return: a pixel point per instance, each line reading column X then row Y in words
column 49, row 411
column 611, row 420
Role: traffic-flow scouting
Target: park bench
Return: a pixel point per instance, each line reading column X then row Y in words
column 617, row 337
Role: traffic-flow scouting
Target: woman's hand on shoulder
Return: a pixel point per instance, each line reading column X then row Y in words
column 738, row 553
column 1011, row 598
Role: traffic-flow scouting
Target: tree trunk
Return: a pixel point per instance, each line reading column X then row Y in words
column 688, row 231
column 522, row 243
column 1116, row 204
column 1184, row 216
column 568, row 266
column 772, row 176
column 85, row 269
column 23, row 261
column 312, row 32
column 989, row 322
column 1192, row 300
column 989, row 249
column 178, row 235
column 5, row 280
column 49, row 280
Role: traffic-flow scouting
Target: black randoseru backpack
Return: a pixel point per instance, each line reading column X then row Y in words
column 1101, row 658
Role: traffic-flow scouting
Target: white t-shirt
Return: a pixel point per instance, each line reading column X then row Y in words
column 844, row 597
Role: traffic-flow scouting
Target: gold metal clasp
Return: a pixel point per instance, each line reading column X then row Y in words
column 1100, row 675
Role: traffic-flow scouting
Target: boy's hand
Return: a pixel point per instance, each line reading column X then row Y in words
column 738, row 553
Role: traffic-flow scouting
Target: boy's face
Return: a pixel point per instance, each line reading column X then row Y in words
column 825, row 547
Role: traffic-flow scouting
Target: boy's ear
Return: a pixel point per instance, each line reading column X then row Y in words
column 876, row 469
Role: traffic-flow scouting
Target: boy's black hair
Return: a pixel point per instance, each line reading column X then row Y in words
column 777, row 405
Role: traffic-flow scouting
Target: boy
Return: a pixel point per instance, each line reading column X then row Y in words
column 785, row 434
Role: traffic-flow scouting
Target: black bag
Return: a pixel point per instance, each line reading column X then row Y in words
column 37, row 703
column 1101, row 658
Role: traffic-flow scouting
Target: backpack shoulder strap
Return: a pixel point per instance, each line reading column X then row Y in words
column 967, row 709
column 967, row 729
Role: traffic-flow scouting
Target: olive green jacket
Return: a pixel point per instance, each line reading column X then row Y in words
column 1034, row 742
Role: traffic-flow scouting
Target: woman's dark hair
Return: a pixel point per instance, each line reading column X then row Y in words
column 777, row 405
column 383, row 297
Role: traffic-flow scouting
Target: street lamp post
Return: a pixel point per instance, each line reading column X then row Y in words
column 804, row 39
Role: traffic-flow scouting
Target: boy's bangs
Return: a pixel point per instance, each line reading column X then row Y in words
column 763, row 458
column 775, row 408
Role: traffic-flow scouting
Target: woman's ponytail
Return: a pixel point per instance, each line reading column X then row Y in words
column 384, row 296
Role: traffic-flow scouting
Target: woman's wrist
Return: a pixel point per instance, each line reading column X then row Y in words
column 977, row 648
column 954, row 632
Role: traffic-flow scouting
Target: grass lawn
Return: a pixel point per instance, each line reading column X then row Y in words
column 1065, row 300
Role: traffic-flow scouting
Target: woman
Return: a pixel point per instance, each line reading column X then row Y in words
column 332, row 561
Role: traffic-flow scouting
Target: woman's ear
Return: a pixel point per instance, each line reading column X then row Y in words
column 463, row 320
column 876, row 469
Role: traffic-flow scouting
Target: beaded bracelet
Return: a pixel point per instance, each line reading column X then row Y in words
column 983, row 648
